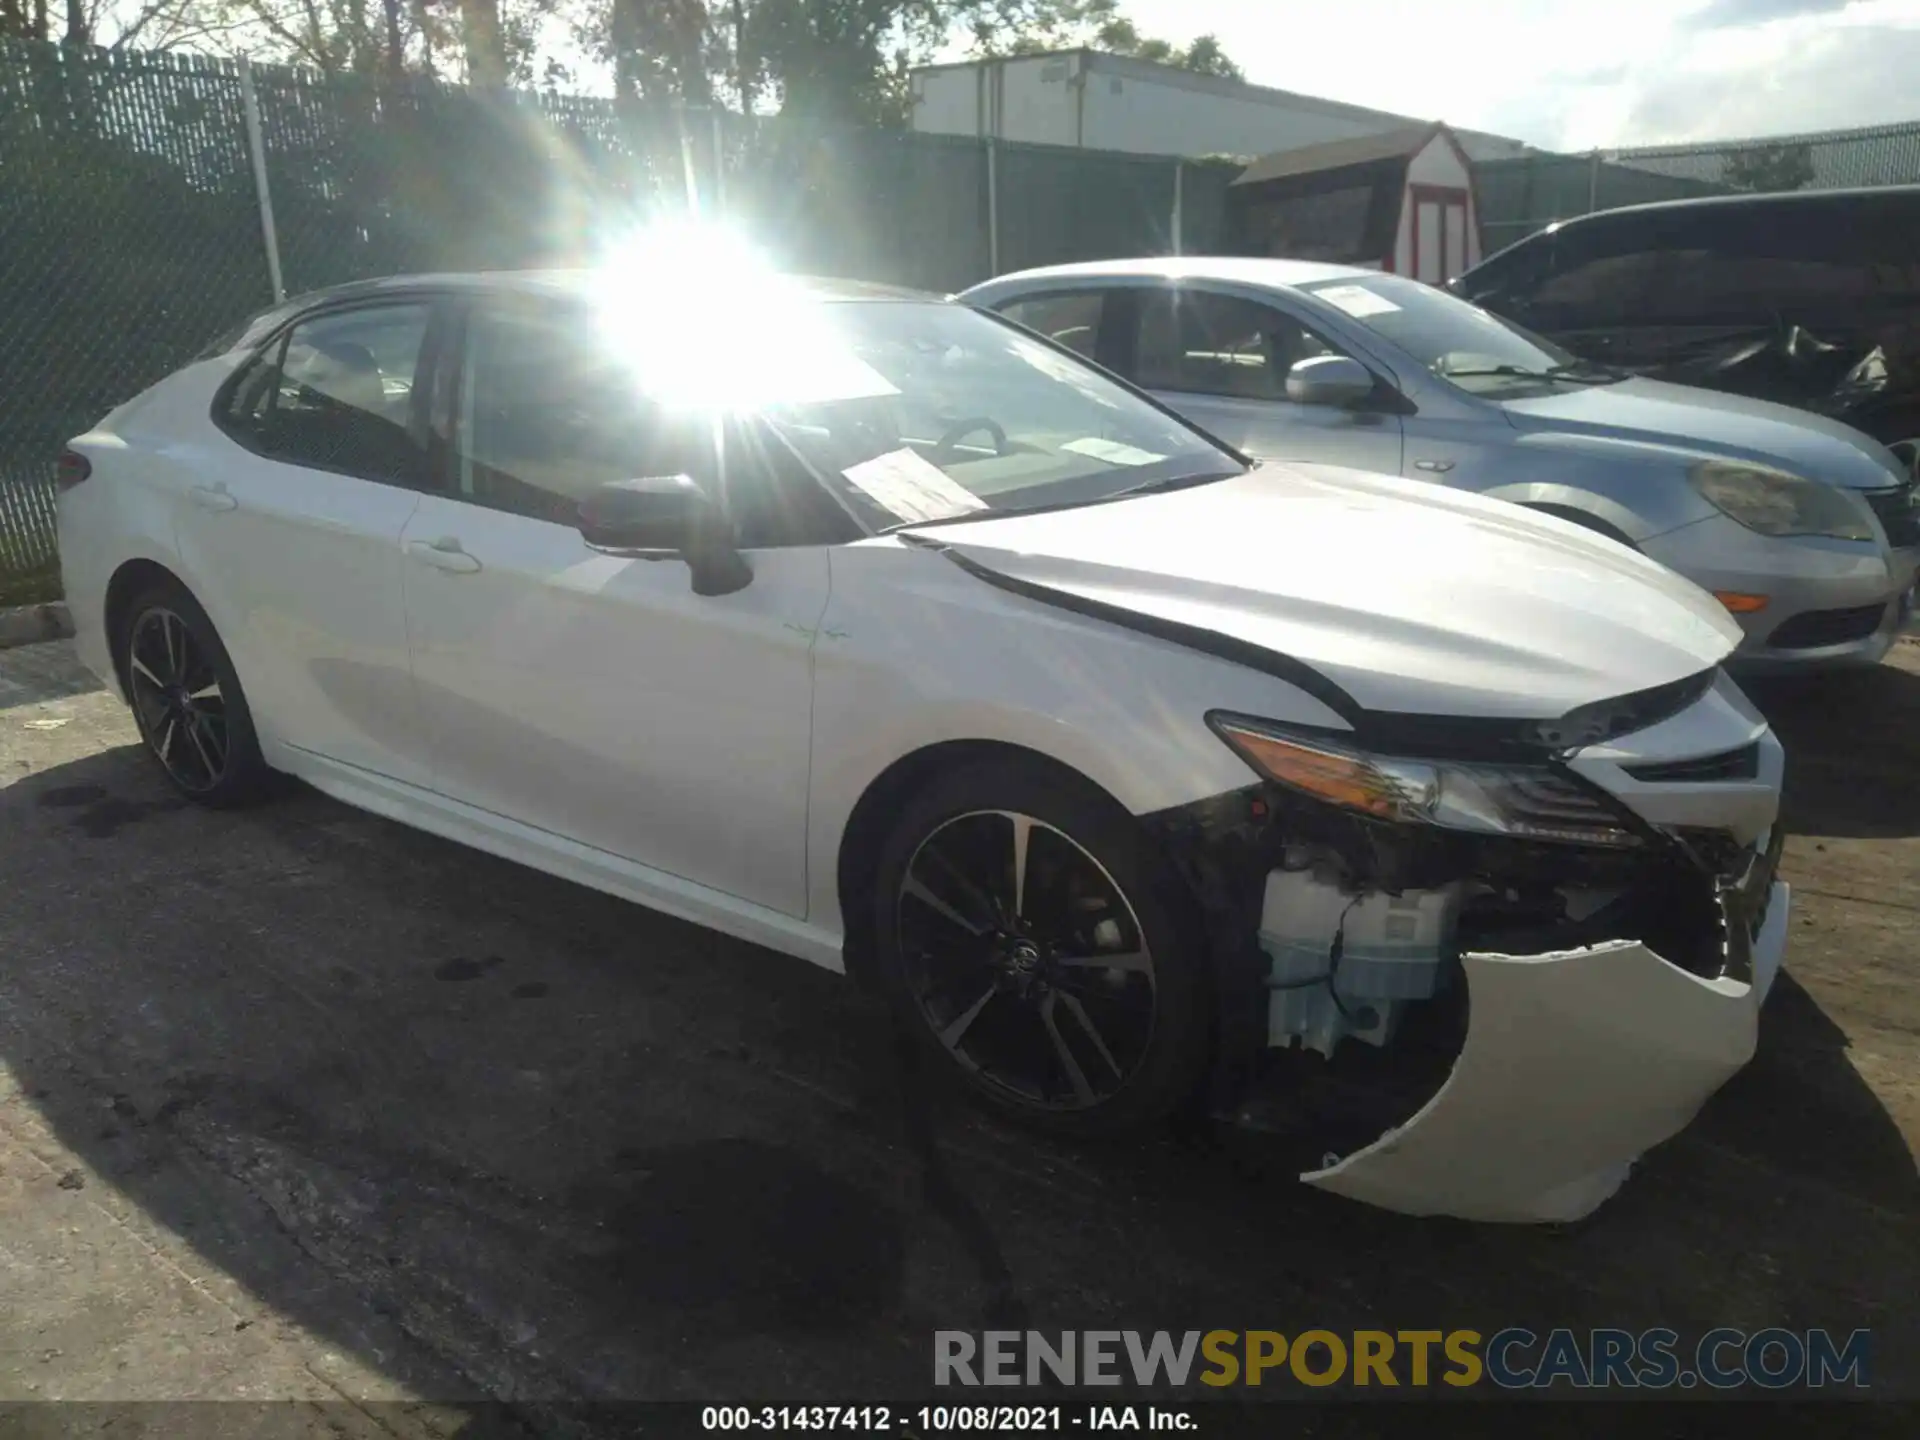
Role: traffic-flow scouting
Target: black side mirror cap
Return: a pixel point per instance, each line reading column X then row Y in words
column 661, row 515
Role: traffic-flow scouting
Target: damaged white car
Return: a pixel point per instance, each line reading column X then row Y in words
column 896, row 639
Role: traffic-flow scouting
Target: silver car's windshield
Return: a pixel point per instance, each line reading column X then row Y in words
column 928, row 411
column 1471, row 347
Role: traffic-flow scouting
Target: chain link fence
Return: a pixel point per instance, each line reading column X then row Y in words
column 133, row 229
column 1519, row 196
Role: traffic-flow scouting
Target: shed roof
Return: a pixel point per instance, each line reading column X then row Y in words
column 1401, row 144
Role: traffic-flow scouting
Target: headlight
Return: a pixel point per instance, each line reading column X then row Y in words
column 1528, row 802
column 1773, row 502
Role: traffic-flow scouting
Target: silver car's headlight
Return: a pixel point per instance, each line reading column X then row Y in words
column 1774, row 502
column 1530, row 802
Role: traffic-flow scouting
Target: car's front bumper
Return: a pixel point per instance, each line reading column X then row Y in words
column 1829, row 603
column 1607, row 991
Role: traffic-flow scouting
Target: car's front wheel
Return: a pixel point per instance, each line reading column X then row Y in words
column 1039, row 947
column 187, row 700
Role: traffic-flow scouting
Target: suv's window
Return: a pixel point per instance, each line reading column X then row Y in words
column 1198, row 342
column 547, row 414
column 1071, row 319
column 337, row 393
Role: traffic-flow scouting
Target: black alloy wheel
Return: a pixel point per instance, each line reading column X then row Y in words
column 181, row 709
column 1033, row 944
column 187, row 701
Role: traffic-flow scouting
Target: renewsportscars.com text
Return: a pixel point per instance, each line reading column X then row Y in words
column 1513, row 1358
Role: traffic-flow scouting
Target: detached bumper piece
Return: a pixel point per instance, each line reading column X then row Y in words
column 1575, row 1064
column 1608, row 994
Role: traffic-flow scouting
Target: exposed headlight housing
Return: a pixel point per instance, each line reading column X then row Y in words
column 1773, row 502
column 1528, row 802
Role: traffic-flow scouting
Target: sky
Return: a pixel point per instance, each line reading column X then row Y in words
column 1576, row 74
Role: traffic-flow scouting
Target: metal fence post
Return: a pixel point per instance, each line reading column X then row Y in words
column 686, row 158
column 257, row 148
column 993, row 207
column 1179, row 204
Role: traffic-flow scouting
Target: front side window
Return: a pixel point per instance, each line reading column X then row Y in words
column 548, row 412
column 336, row 394
column 1199, row 343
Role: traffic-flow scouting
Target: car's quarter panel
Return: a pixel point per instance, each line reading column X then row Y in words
column 596, row 697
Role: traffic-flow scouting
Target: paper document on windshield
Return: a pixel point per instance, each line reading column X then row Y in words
column 1356, row 300
column 1112, row 451
column 914, row 489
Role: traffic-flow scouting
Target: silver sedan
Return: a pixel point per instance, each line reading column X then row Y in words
column 1808, row 532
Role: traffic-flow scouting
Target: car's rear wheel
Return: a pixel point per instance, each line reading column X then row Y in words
column 1036, row 944
column 187, row 700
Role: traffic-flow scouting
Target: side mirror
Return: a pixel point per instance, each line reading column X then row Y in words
column 1335, row 380
column 666, row 515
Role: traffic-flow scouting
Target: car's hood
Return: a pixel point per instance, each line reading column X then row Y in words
column 1682, row 417
column 1410, row 597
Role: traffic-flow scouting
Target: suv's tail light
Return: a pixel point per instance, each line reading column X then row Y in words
column 71, row 468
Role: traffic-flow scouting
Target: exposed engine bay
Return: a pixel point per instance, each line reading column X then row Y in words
column 1495, row 996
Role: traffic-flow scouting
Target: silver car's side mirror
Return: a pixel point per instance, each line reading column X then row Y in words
column 1336, row 380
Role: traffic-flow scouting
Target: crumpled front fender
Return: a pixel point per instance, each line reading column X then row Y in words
column 1574, row 1064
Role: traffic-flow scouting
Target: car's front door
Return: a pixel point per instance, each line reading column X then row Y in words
column 289, row 527
column 1222, row 360
column 590, row 695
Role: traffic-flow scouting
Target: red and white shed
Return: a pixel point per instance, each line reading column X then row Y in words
column 1399, row 201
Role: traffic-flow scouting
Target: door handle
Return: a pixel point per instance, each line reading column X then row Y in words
column 211, row 497
column 443, row 554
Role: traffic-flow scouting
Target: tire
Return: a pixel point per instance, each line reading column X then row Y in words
column 1035, row 1026
column 187, row 701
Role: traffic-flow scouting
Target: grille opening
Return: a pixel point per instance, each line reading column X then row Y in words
column 1828, row 627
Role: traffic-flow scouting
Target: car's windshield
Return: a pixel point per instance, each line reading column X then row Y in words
column 1471, row 347
column 926, row 411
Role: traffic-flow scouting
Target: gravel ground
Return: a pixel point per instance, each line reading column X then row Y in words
column 296, row 1104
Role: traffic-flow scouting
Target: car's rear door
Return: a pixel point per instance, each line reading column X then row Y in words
column 590, row 695
column 289, row 527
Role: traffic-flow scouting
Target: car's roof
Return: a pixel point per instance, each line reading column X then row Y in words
column 581, row 282
column 1882, row 194
column 1234, row 269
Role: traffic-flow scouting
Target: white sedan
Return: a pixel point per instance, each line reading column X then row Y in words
column 876, row 630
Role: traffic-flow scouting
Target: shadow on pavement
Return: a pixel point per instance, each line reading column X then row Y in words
column 505, row 1138
column 1853, row 747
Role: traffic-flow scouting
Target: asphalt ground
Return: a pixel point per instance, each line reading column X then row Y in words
column 299, row 1105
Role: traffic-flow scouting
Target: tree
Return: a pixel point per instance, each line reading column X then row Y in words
column 1016, row 27
column 1770, row 167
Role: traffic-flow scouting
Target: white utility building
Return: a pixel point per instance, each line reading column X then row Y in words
column 1097, row 101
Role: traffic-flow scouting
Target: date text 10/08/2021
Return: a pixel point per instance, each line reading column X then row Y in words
column 942, row 1419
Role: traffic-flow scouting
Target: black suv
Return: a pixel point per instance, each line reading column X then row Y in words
column 1810, row 299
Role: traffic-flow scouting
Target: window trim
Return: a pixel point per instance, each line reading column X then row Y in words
column 1387, row 396
column 433, row 301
